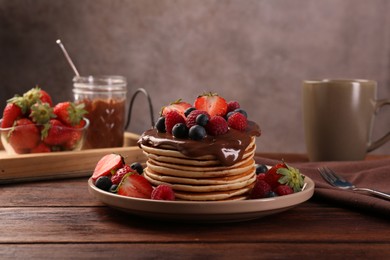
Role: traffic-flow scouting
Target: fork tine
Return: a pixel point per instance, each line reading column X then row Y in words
column 326, row 176
column 337, row 177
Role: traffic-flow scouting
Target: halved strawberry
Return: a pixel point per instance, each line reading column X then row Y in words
column 212, row 104
column 107, row 165
column 178, row 106
column 135, row 185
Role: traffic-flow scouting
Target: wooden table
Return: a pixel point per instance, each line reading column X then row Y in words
column 60, row 219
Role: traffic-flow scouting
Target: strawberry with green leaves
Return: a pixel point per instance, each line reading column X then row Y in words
column 55, row 132
column 37, row 94
column 41, row 113
column 69, row 113
column 213, row 104
column 24, row 135
column 282, row 173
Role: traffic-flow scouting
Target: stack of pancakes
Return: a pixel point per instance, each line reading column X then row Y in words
column 203, row 178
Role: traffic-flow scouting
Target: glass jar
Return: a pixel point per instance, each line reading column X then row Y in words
column 105, row 101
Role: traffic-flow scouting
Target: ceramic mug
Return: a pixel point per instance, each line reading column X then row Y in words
column 338, row 118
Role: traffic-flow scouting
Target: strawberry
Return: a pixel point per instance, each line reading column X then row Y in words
column 40, row 148
column 11, row 113
column 282, row 190
column 232, row 105
column 282, row 173
column 69, row 113
column 260, row 190
column 217, row 126
column 24, row 135
column 191, row 118
column 171, row 119
column 237, row 121
column 135, row 185
column 75, row 136
column 178, row 106
column 55, row 133
column 163, row 192
column 37, row 94
column 41, row 113
column 120, row 173
column 213, row 104
column 107, row 165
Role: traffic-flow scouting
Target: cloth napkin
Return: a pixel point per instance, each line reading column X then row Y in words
column 373, row 174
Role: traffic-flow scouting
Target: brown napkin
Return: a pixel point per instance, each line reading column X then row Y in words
column 374, row 174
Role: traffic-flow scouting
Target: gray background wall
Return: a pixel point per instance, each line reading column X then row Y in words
column 255, row 51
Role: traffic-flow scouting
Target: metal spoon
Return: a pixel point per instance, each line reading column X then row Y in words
column 68, row 57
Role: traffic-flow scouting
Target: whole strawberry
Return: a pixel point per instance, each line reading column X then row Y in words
column 37, row 94
column 55, row 133
column 41, row 113
column 69, row 113
column 24, row 135
column 282, row 173
column 11, row 113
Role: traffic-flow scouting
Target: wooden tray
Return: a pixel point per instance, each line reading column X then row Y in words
column 31, row 167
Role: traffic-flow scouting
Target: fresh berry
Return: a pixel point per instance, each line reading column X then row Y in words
column 137, row 167
column 41, row 113
column 55, row 133
column 232, row 105
column 11, row 113
column 107, row 165
column 213, row 104
column 163, row 192
column 191, row 118
column 113, row 188
column 188, row 111
column 171, row 119
column 197, row 132
column 36, row 94
column 135, row 185
column 24, row 135
column 69, row 113
column 282, row 190
column 237, row 121
column 178, row 106
column 282, row 173
column 242, row 111
column 41, row 148
column 260, row 190
column 160, row 124
column 120, row 173
column 202, row 119
column 217, row 126
column 103, row 183
column 180, row 130
column 260, row 176
column 261, row 168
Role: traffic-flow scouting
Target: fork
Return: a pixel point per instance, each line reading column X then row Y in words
column 337, row 181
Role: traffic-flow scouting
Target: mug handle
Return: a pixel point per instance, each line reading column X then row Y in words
column 140, row 90
column 384, row 139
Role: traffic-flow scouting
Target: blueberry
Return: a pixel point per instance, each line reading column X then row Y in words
column 137, row 167
column 197, row 132
column 242, row 111
column 189, row 110
column 271, row 194
column 261, row 168
column 160, row 125
column 113, row 188
column 202, row 119
column 229, row 114
column 180, row 130
column 103, row 183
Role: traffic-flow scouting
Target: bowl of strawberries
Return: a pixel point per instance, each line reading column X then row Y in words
column 32, row 124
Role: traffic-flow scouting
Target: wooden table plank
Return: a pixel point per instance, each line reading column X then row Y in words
column 258, row 250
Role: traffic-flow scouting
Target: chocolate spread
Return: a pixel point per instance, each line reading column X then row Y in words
column 106, row 127
column 228, row 148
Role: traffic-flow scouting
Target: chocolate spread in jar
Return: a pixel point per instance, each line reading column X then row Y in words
column 228, row 148
column 106, row 127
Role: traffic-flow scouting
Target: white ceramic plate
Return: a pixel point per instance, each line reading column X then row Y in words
column 204, row 211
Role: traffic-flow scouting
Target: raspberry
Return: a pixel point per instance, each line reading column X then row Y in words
column 238, row 121
column 283, row 190
column 260, row 190
column 191, row 118
column 171, row 119
column 232, row 105
column 217, row 126
column 163, row 192
column 117, row 177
